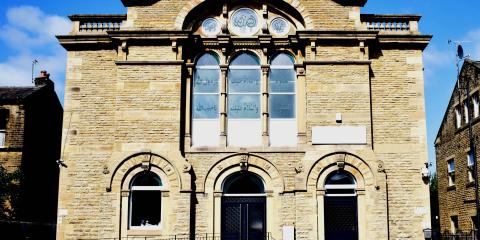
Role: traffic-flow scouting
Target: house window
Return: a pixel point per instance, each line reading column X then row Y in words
column 466, row 112
column 451, row 172
column 282, row 101
column 3, row 126
column 458, row 118
column 470, row 164
column 206, row 97
column 453, row 224
column 145, row 201
column 476, row 106
column 244, row 109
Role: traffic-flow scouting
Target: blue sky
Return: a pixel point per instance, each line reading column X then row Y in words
column 28, row 27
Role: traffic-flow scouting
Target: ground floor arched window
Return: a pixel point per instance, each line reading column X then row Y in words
column 145, row 203
column 341, row 207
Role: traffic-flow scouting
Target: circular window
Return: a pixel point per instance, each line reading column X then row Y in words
column 244, row 22
column 211, row 27
column 279, row 26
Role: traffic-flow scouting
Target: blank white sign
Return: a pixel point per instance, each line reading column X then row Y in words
column 332, row 135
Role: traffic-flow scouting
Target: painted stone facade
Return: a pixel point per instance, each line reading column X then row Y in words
column 456, row 189
column 128, row 109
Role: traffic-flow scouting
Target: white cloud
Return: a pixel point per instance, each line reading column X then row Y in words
column 29, row 34
column 472, row 44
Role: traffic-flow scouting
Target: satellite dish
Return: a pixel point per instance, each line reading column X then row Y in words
column 460, row 53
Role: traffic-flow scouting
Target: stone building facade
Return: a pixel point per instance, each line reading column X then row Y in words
column 184, row 117
column 456, row 185
column 30, row 141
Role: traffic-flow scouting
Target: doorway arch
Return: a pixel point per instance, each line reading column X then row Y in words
column 243, row 214
column 341, row 207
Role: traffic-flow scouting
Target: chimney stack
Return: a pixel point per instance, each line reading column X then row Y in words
column 43, row 79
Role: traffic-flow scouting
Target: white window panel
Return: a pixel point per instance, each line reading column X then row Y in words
column 244, row 132
column 465, row 110
column 451, row 166
column 2, row 138
column 458, row 118
column 470, row 159
column 206, row 132
column 283, row 132
column 476, row 107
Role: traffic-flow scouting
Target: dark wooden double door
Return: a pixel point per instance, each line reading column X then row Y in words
column 244, row 218
column 341, row 218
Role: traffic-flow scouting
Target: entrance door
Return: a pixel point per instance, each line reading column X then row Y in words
column 243, row 218
column 341, row 218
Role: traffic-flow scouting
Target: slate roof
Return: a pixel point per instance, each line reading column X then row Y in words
column 15, row 95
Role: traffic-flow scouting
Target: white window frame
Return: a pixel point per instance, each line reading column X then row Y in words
column 451, row 172
column 3, row 135
column 476, row 106
column 470, row 165
column 466, row 112
column 458, row 117
column 160, row 189
column 294, row 120
column 238, row 122
column 198, row 123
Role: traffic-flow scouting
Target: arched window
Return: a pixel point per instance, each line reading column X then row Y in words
column 145, row 201
column 206, row 98
column 243, row 183
column 340, row 183
column 244, row 101
column 341, row 207
column 282, row 101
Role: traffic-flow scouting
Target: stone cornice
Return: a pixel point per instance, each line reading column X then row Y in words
column 419, row 41
column 132, row 3
column 103, row 17
column 337, row 35
column 149, row 34
column 78, row 41
column 338, row 62
column 177, row 62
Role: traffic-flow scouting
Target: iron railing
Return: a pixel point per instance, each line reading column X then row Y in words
column 205, row 236
column 27, row 230
column 458, row 236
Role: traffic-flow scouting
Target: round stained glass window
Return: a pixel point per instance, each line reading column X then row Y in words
column 211, row 27
column 279, row 26
column 244, row 22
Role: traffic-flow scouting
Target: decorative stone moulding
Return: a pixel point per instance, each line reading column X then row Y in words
column 245, row 22
column 279, row 26
column 211, row 27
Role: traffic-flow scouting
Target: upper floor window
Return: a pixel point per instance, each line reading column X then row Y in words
column 476, row 106
column 451, row 172
column 244, row 101
column 466, row 112
column 206, row 101
column 282, row 100
column 250, row 106
column 3, row 126
column 458, row 118
column 470, row 164
column 145, row 201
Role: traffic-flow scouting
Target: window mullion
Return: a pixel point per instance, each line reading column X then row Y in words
column 265, row 105
column 223, row 105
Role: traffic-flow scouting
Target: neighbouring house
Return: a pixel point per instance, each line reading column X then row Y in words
column 455, row 162
column 30, row 141
column 273, row 119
